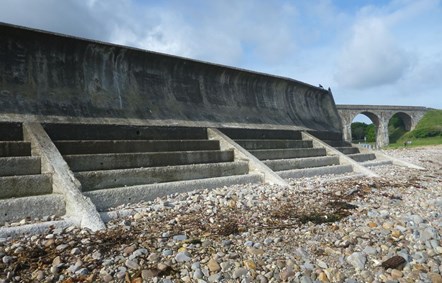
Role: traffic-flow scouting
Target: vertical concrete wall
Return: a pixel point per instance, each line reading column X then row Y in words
column 50, row 76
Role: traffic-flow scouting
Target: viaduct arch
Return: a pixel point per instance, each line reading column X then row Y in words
column 380, row 115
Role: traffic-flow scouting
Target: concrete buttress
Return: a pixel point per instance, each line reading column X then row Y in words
column 79, row 207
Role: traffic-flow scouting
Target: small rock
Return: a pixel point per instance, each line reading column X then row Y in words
column 250, row 264
column 396, row 274
column 357, row 259
column 148, row 273
column 182, row 257
column 180, row 237
column 213, row 265
column 322, row 277
column 394, row 262
column 396, row 234
column 6, row 259
column 61, row 247
column 56, row 261
column 239, row 272
column 435, row 277
column 75, row 251
column 131, row 264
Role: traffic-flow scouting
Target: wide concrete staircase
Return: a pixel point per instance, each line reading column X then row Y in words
column 123, row 164
column 24, row 191
column 286, row 153
column 335, row 140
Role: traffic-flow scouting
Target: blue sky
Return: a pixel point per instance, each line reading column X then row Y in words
column 368, row 52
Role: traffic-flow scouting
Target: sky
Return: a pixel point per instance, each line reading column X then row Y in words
column 367, row 52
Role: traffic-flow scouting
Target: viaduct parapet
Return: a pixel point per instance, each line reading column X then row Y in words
column 380, row 115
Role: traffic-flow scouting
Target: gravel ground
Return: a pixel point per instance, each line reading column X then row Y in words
column 321, row 230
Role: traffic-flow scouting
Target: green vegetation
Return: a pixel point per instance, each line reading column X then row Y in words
column 396, row 128
column 427, row 132
column 360, row 130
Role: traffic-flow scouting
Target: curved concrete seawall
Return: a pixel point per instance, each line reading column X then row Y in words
column 54, row 78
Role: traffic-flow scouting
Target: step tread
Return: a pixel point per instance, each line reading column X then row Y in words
column 348, row 149
column 299, row 163
column 92, row 162
column 67, row 147
column 25, row 185
column 31, row 206
column 271, row 154
column 122, row 132
column 273, row 144
column 376, row 162
column 20, row 165
column 94, row 180
column 107, row 198
column 241, row 133
column 316, row 171
column 361, row 157
column 15, row 148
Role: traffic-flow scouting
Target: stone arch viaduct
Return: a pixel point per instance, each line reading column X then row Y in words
column 380, row 115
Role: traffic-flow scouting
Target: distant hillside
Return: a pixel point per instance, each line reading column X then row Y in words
column 427, row 132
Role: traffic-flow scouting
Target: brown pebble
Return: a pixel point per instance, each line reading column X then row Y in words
column 394, row 262
column 435, row 278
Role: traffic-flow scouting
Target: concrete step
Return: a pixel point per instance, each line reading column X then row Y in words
column 14, row 148
column 339, row 143
column 299, row 163
column 122, row 132
column 92, row 162
column 23, row 165
column 326, row 135
column 361, row 157
column 16, row 209
column 95, row 180
column 27, row 185
column 247, row 134
column 121, row 146
column 376, row 162
column 348, row 149
column 11, row 131
column 268, row 154
column 273, row 144
column 107, row 198
column 310, row 172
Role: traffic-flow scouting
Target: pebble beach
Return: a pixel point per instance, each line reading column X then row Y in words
column 346, row 228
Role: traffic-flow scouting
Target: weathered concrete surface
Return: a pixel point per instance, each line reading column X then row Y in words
column 273, row 144
column 90, row 162
column 300, row 163
column 343, row 159
column 15, row 209
column 23, row 165
column 37, row 228
column 122, row 132
column 310, row 172
column 267, row 154
column 14, row 148
column 115, row 146
column 380, row 155
column 255, row 165
column 80, row 208
column 49, row 77
column 380, row 115
column 103, row 179
column 104, row 199
column 22, row 186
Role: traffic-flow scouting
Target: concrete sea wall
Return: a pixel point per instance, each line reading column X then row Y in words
column 48, row 77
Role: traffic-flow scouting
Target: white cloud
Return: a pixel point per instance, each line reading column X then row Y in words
column 372, row 57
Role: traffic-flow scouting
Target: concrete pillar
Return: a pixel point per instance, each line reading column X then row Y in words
column 382, row 138
column 346, row 119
